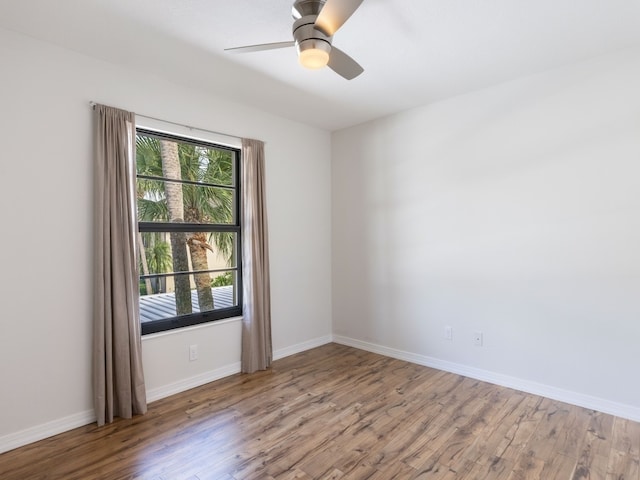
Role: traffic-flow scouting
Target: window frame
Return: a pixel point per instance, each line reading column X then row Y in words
column 187, row 320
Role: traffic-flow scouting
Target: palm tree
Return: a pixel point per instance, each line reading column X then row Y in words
column 204, row 205
column 189, row 202
column 158, row 258
column 162, row 201
column 144, row 264
column 175, row 208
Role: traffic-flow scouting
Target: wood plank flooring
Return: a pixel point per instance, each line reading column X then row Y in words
column 336, row 412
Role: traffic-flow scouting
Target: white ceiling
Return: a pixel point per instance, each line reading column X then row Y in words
column 413, row 51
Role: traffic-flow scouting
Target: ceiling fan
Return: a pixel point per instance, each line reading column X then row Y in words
column 316, row 21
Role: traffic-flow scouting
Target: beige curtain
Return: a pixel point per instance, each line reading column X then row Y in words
column 118, row 380
column 256, row 309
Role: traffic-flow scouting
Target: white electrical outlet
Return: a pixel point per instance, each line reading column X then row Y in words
column 477, row 339
column 193, row 352
column 448, row 332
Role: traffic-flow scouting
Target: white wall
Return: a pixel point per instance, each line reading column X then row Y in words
column 45, row 245
column 514, row 211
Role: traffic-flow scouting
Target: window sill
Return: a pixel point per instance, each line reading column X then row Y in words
column 200, row 326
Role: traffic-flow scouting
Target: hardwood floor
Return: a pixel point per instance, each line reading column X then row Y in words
column 340, row 413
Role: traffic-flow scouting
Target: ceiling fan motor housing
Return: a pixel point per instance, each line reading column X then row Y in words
column 307, row 36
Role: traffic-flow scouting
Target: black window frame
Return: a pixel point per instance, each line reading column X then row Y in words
column 181, row 321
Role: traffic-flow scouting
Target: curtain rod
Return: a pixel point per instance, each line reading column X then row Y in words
column 93, row 105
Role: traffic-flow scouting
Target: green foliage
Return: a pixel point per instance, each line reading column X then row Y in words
column 222, row 280
column 159, row 257
column 152, row 203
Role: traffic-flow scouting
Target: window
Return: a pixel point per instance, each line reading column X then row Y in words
column 188, row 231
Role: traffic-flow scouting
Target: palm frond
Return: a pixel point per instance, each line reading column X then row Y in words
column 148, row 158
column 152, row 211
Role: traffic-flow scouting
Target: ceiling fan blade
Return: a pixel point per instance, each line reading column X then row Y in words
column 260, row 47
column 334, row 14
column 343, row 64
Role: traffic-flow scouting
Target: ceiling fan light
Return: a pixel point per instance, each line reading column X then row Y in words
column 313, row 58
column 313, row 53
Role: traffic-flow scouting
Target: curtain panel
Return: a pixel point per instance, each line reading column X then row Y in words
column 118, row 379
column 256, row 310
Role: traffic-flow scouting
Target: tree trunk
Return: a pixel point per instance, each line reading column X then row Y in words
column 175, row 205
column 198, row 246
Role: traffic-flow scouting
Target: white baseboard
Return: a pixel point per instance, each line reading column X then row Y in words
column 45, row 430
column 574, row 398
column 185, row 384
column 301, row 347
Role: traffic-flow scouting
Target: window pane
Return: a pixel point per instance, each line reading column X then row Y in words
column 172, row 303
column 187, row 193
column 174, row 252
column 169, row 202
column 210, row 285
column 184, row 161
